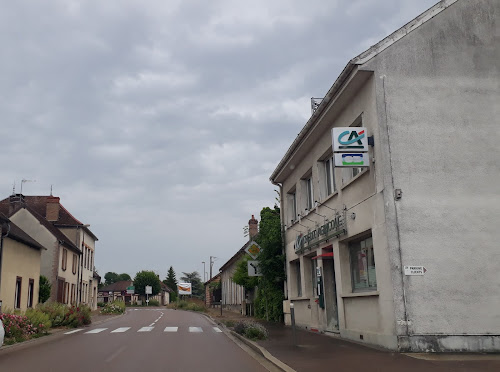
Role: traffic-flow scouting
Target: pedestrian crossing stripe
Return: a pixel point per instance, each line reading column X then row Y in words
column 73, row 331
column 170, row 329
column 217, row 329
column 195, row 329
column 121, row 330
column 97, row 330
column 145, row 329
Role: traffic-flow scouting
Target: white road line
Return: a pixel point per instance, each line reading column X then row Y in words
column 195, row 329
column 170, row 329
column 145, row 329
column 217, row 329
column 73, row 331
column 97, row 330
column 121, row 330
column 152, row 324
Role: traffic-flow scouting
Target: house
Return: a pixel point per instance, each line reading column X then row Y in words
column 74, row 231
column 213, row 291
column 395, row 249
column 117, row 291
column 60, row 260
column 20, row 257
column 234, row 296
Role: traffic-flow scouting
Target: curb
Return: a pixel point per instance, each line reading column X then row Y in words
column 254, row 346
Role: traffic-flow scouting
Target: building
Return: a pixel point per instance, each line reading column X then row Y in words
column 117, row 291
column 20, row 257
column 213, row 291
column 234, row 296
column 79, row 234
column 403, row 252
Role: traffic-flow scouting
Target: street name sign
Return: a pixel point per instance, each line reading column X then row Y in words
column 415, row 270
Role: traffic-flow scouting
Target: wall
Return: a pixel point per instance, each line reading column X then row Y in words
column 438, row 97
column 23, row 261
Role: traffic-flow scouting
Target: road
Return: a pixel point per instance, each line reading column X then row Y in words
column 140, row 340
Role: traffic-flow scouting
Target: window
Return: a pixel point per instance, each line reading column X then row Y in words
column 88, row 258
column 330, row 176
column 356, row 171
column 31, row 287
column 363, row 265
column 72, row 293
column 85, row 258
column 292, row 206
column 75, row 263
column 66, row 292
column 17, row 293
column 64, row 259
column 309, row 195
column 91, row 260
column 299, row 280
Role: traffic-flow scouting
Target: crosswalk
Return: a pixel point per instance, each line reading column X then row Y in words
column 146, row 329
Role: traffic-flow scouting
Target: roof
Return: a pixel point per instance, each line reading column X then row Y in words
column 238, row 254
column 39, row 205
column 117, row 286
column 213, row 279
column 351, row 67
column 14, row 232
column 166, row 288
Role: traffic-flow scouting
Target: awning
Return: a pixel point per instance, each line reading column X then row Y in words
column 328, row 255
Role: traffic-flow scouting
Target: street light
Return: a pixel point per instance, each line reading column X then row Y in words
column 203, row 262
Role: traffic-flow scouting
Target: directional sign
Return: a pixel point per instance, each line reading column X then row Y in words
column 130, row 289
column 415, row 270
column 253, row 268
column 253, row 250
column 149, row 289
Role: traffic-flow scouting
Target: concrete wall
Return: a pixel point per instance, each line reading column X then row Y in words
column 19, row 260
column 438, row 104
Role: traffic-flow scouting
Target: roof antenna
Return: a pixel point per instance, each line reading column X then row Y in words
column 14, row 188
column 51, row 190
column 23, row 181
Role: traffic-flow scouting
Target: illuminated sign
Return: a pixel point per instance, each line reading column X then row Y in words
column 350, row 139
column 352, row 159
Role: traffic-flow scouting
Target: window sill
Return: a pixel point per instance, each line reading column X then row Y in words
column 299, row 299
column 359, row 175
column 360, row 294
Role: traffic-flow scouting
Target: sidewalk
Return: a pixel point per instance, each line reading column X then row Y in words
column 319, row 352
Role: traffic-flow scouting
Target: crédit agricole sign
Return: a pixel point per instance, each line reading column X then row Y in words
column 329, row 230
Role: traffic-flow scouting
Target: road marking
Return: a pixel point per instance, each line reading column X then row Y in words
column 115, row 354
column 195, row 329
column 145, row 329
column 121, row 330
column 170, row 329
column 217, row 329
column 97, row 330
column 73, row 331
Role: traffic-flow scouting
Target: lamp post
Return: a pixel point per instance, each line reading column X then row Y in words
column 203, row 262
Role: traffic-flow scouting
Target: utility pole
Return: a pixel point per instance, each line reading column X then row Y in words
column 211, row 264
column 203, row 262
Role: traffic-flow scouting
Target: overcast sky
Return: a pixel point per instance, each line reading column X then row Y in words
column 159, row 122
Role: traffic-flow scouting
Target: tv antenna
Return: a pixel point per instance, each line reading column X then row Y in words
column 23, row 181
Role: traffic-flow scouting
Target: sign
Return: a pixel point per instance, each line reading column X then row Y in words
column 329, row 230
column 149, row 289
column 253, row 250
column 184, row 288
column 350, row 139
column 415, row 270
column 253, row 268
column 352, row 159
column 131, row 289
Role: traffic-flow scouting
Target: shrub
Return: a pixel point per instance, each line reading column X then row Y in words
column 77, row 316
column 251, row 330
column 101, row 304
column 115, row 307
column 39, row 319
column 20, row 328
column 44, row 290
column 56, row 311
column 229, row 323
column 154, row 303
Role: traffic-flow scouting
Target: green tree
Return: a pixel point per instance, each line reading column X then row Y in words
column 144, row 278
column 123, row 277
column 110, row 278
column 196, row 283
column 44, row 290
column 241, row 277
column 269, row 300
column 171, row 282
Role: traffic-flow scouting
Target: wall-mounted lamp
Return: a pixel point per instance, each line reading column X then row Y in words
column 353, row 215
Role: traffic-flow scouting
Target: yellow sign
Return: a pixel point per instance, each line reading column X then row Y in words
column 253, row 250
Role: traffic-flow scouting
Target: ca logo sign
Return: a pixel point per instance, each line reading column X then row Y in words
column 348, row 139
column 353, row 141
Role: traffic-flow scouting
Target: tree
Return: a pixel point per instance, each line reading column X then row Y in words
column 241, row 277
column 44, row 290
column 269, row 300
column 171, row 282
column 123, row 277
column 144, row 278
column 110, row 278
column 196, row 283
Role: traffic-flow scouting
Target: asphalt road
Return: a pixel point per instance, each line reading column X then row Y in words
column 140, row 340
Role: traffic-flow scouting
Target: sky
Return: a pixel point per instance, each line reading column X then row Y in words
column 159, row 123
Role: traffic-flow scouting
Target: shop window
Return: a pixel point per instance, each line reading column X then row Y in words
column 64, row 259
column 17, row 293
column 363, row 265
column 31, row 287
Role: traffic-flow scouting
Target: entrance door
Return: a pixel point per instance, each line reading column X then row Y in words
column 330, row 288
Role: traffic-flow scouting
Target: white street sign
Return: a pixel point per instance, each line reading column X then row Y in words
column 415, row 270
column 149, row 289
column 253, row 268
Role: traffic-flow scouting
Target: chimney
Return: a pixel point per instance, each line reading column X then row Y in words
column 15, row 201
column 53, row 206
column 253, row 228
